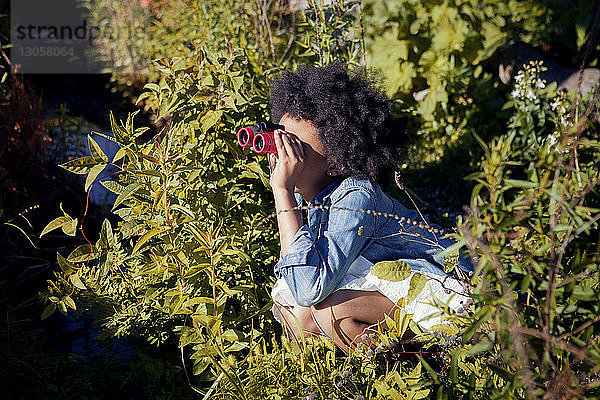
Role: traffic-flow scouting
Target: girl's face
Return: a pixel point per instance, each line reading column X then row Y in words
column 314, row 175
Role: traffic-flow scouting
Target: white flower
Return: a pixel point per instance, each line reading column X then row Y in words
column 519, row 77
column 540, row 84
column 530, row 94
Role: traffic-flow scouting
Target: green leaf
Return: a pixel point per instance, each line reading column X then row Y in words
column 468, row 333
column 417, row 283
column 453, row 248
column 454, row 365
column 49, row 310
column 64, row 264
column 70, row 227
column 129, row 190
column 185, row 211
column 143, row 96
column 204, row 95
column 390, row 323
column 230, row 335
column 482, row 346
column 80, row 166
column 521, row 184
column 236, row 346
column 209, row 119
column 481, row 142
column 446, row 328
column 152, row 86
column 55, row 224
column 208, row 81
column 82, row 253
column 508, row 376
column 76, row 281
column 120, row 133
column 394, row 271
column 180, row 64
column 95, row 150
column 147, row 236
column 106, row 234
column 584, row 293
column 113, row 186
column 120, row 154
column 434, row 375
column 92, row 175
column 69, row 302
column 201, row 364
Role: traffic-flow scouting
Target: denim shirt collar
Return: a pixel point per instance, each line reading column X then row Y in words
column 326, row 192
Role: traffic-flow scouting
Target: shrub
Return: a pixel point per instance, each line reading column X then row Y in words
column 186, row 199
column 134, row 33
column 533, row 228
column 173, row 266
column 188, row 258
column 433, row 56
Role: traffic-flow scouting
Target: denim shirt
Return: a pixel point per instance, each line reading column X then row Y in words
column 321, row 251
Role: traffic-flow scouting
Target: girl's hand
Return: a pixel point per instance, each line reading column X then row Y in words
column 287, row 166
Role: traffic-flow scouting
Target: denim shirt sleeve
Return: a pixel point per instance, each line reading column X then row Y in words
column 316, row 261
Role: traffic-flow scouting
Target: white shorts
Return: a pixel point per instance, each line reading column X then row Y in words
column 438, row 289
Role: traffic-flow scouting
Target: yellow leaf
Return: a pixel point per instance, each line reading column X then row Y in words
column 394, row 271
column 70, row 227
column 69, row 302
column 95, row 150
column 120, row 154
column 55, row 224
column 449, row 36
column 147, row 236
column 417, row 283
column 400, row 76
column 77, row 282
column 92, row 175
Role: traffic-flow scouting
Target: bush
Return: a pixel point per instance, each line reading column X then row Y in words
column 533, row 228
column 135, row 33
column 188, row 260
column 187, row 199
column 434, row 58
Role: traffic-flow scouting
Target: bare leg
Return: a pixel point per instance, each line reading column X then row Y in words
column 298, row 322
column 343, row 316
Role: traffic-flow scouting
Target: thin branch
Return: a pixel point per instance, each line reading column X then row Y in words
column 556, row 341
column 515, row 325
column 580, row 328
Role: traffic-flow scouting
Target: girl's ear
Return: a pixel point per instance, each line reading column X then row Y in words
column 333, row 170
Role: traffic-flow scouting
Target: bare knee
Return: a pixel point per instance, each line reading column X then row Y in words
column 346, row 314
column 298, row 321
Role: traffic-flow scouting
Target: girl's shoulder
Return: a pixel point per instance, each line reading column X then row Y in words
column 351, row 184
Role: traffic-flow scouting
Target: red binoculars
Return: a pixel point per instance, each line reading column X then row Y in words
column 260, row 137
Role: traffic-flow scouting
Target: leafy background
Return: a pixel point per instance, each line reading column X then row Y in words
column 178, row 267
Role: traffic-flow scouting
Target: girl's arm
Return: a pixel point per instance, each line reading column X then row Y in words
column 288, row 222
column 285, row 169
column 315, row 263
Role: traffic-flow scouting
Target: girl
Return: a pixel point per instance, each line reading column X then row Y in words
column 339, row 138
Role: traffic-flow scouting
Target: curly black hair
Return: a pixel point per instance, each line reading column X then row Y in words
column 353, row 117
